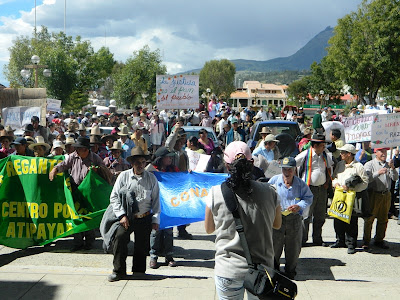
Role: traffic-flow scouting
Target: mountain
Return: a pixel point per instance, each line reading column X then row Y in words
column 314, row 50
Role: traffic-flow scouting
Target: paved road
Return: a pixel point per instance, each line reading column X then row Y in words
column 323, row 273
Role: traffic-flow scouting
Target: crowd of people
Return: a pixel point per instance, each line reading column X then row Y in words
column 145, row 141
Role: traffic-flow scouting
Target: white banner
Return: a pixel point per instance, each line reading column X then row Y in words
column 17, row 117
column 197, row 162
column 177, row 91
column 53, row 105
column 386, row 131
column 358, row 128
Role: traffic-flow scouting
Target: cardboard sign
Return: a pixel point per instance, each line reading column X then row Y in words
column 177, row 91
column 358, row 128
column 53, row 105
column 273, row 169
column 385, row 131
column 17, row 117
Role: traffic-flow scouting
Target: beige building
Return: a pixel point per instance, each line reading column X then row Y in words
column 256, row 94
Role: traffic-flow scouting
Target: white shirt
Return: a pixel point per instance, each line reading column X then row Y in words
column 318, row 174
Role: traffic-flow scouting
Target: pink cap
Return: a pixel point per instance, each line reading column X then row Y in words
column 235, row 148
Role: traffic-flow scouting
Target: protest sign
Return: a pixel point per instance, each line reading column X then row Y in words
column 329, row 126
column 358, row 128
column 197, row 162
column 17, row 117
column 177, row 91
column 273, row 169
column 385, row 131
column 35, row 211
column 53, row 105
column 182, row 196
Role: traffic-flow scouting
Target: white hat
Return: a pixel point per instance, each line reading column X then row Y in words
column 348, row 148
column 58, row 144
column 39, row 142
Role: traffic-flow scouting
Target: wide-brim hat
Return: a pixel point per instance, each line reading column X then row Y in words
column 29, row 128
column 117, row 145
column 9, row 128
column 95, row 130
column 307, row 131
column 4, row 135
column 348, row 148
column 270, row 138
column 104, row 138
column 137, row 151
column 94, row 139
column 39, row 142
column 124, row 131
column 318, row 138
column 81, row 127
column 30, row 140
column 266, row 130
column 69, row 141
column 20, row 141
column 82, row 142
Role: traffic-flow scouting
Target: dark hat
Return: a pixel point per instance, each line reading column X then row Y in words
column 137, row 151
column 181, row 133
column 108, row 136
column 288, row 162
column 318, row 138
column 82, row 142
column 95, row 140
column 29, row 127
column 35, row 119
column 4, row 135
column 163, row 151
column 20, row 141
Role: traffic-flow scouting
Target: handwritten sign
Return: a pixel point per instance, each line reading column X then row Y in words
column 17, row 117
column 53, row 105
column 386, row 131
column 358, row 128
column 177, row 91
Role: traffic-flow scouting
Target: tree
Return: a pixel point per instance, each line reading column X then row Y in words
column 138, row 76
column 219, row 76
column 75, row 67
column 365, row 49
column 299, row 89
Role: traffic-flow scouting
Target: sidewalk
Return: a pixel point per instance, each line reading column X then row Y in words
column 323, row 273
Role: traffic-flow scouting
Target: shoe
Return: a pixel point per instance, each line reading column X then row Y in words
column 381, row 245
column 170, row 262
column 338, row 245
column 351, row 250
column 115, row 277
column 77, row 248
column 153, row 263
column 365, row 247
column 321, row 243
column 183, row 234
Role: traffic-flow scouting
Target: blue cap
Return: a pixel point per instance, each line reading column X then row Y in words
column 288, row 162
column 19, row 141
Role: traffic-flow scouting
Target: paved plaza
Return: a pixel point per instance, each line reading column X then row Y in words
column 53, row 272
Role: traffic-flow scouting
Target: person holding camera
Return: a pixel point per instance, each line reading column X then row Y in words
column 260, row 213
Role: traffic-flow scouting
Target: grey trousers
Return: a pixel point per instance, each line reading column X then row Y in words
column 289, row 236
column 316, row 214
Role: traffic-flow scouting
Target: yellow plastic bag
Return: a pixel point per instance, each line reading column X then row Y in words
column 342, row 204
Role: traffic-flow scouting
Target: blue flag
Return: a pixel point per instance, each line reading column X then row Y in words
column 182, row 196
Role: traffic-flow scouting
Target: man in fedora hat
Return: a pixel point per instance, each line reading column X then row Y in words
column 141, row 221
column 268, row 151
column 127, row 144
column 82, row 130
column 40, row 147
column 114, row 162
column 263, row 133
column 296, row 198
column 78, row 164
column 96, row 146
column 315, row 167
column 29, row 130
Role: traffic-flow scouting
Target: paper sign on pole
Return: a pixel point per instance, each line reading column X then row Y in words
column 386, row 131
column 17, row 117
column 358, row 128
column 177, row 91
column 197, row 162
column 53, row 105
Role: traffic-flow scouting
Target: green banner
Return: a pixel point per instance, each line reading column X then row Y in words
column 37, row 211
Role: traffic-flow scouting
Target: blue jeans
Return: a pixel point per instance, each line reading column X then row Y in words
column 162, row 241
column 231, row 289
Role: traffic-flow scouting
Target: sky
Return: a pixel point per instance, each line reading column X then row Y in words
column 188, row 33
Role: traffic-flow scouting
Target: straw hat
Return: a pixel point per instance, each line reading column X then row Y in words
column 117, row 146
column 94, row 139
column 9, row 128
column 270, row 138
column 4, row 135
column 30, row 140
column 137, row 151
column 265, row 130
column 81, row 127
column 69, row 141
column 39, row 142
column 58, row 144
column 95, row 130
column 124, row 131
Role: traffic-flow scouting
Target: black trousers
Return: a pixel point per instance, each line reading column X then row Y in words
column 347, row 233
column 142, row 229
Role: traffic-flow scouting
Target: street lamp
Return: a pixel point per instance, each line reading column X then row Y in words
column 144, row 96
column 321, row 97
column 26, row 73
